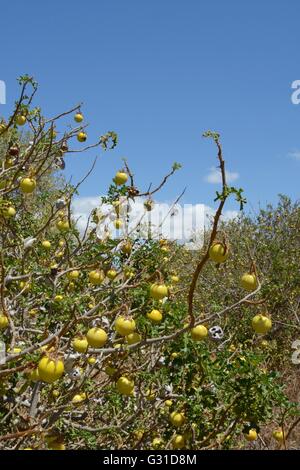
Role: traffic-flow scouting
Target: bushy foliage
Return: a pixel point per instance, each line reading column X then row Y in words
column 107, row 341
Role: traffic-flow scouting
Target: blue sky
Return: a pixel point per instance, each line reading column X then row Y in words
column 160, row 73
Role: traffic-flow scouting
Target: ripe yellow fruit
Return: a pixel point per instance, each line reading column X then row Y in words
column 178, row 441
column 118, row 223
column 20, row 120
column 175, row 279
column 133, row 338
column 91, row 360
column 177, row 419
column 58, row 298
column 46, row 244
column 78, row 398
column 9, row 212
column 124, row 326
column 138, row 434
column 126, row 247
column 199, row 332
column 125, row 386
column 27, row 185
column 96, row 277
column 50, row 370
column 261, row 324
column 81, row 136
column 111, row 274
column 120, row 178
column 55, row 393
column 218, row 252
column 96, row 337
column 73, row 274
column 278, row 435
column 251, row 435
column 155, row 316
column 168, row 403
column 80, row 344
column 158, row 291
column 150, row 394
column 157, row 442
column 3, row 322
column 249, row 282
column 34, row 375
column 78, row 117
column 63, row 225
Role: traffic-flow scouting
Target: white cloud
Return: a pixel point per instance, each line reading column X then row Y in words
column 181, row 222
column 295, row 154
column 214, row 176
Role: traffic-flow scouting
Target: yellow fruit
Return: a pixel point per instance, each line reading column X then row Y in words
column 175, row 279
column 157, row 442
column 33, row 311
column 96, row 337
column 34, row 375
column 168, row 403
column 249, row 282
column 150, row 395
column 120, row 178
column 27, row 185
column 81, row 136
column 20, row 120
column 3, row 322
column 111, row 274
column 126, row 247
column 46, row 244
column 62, row 225
column 125, row 386
column 133, row 338
column 73, row 274
column 58, row 298
column 138, row 434
column 158, row 291
column 155, row 316
column 278, row 435
column 9, row 212
column 264, row 343
column 261, row 324
column 110, row 371
column 118, row 223
column 55, row 393
column 78, row 117
column 78, row 398
column 178, row 441
column 199, row 332
column 61, row 243
column 177, row 419
column 96, row 277
column 57, row 446
column 128, row 273
column 251, row 435
column 124, row 326
column 50, row 370
column 91, row 360
column 174, row 355
column 80, row 344
column 218, row 253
